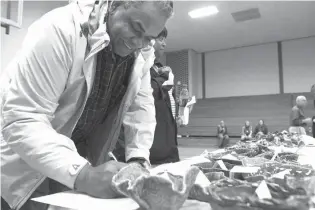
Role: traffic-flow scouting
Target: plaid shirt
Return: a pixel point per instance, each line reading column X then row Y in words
column 110, row 85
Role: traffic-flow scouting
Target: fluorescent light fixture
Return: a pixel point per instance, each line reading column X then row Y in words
column 203, row 12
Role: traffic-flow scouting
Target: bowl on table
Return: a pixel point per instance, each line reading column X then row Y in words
column 158, row 191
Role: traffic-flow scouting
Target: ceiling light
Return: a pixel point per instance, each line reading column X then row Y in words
column 203, row 12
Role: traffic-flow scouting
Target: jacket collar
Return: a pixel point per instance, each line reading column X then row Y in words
column 93, row 26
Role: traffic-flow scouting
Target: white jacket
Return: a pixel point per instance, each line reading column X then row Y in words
column 43, row 94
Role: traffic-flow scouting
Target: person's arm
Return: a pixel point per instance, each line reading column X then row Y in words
column 218, row 130
column 139, row 122
column 30, row 101
column 243, row 131
column 250, row 131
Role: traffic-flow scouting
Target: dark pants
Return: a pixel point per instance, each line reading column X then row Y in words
column 49, row 186
column 223, row 140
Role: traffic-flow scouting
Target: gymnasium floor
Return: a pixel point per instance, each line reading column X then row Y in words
column 189, row 147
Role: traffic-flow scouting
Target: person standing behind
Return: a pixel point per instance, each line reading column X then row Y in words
column 260, row 129
column 247, row 131
column 222, row 133
column 298, row 121
column 164, row 148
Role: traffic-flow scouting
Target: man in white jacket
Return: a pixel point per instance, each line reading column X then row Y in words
column 82, row 72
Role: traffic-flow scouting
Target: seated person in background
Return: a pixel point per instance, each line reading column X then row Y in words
column 298, row 121
column 313, row 127
column 261, row 129
column 247, row 131
column 223, row 138
column 164, row 148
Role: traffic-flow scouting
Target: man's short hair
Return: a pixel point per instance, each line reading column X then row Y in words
column 166, row 6
column 163, row 33
column 300, row 99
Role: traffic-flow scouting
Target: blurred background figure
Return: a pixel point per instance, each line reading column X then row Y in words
column 298, row 121
column 313, row 124
column 247, row 131
column 260, row 129
column 223, row 137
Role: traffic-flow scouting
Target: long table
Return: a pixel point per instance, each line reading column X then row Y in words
column 72, row 200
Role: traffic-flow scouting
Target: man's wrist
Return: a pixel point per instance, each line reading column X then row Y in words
column 81, row 180
column 142, row 161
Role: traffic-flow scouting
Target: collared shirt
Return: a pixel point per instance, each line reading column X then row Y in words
column 173, row 103
column 110, row 85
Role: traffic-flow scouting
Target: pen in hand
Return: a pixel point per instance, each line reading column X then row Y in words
column 110, row 154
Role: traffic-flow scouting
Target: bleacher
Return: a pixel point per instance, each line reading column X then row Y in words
column 273, row 109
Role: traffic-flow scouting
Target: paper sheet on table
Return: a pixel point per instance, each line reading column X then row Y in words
column 307, row 156
column 308, row 140
column 179, row 168
column 244, row 169
column 73, row 200
column 229, row 157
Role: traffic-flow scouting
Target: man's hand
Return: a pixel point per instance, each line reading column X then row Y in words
column 97, row 181
column 140, row 161
column 179, row 121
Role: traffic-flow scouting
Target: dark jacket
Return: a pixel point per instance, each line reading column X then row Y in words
column 261, row 128
column 164, row 148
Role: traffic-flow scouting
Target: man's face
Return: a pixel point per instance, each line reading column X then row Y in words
column 222, row 123
column 133, row 27
column 159, row 47
column 261, row 122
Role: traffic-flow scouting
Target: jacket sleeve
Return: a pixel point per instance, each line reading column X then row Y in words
column 31, row 98
column 139, row 121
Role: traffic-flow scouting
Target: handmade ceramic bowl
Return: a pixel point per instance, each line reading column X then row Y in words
column 161, row 191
